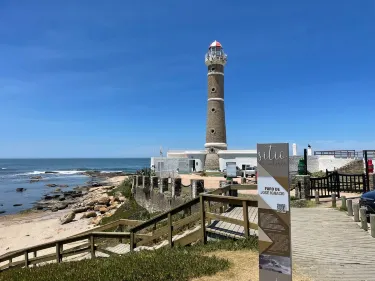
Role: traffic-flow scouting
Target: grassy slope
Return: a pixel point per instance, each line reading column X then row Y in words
column 177, row 264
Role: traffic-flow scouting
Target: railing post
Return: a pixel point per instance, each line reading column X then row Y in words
column 121, row 228
column 350, row 207
column 170, row 230
column 316, row 196
column 246, row 218
column 372, row 224
column 34, row 254
column 333, row 195
column 26, row 258
column 364, row 225
column 58, row 252
column 343, row 202
column 356, row 212
column 203, row 221
column 132, row 244
column 92, row 246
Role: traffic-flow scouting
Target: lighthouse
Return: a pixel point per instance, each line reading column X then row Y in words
column 216, row 138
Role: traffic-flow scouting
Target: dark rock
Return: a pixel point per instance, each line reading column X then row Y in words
column 57, row 190
column 56, row 196
column 39, row 207
column 61, row 206
column 21, row 189
column 80, row 210
column 50, row 172
column 63, row 185
column 62, row 198
column 2, row 212
column 36, row 178
column 54, row 209
column 51, row 185
column 17, row 205
column 48, row 197
column 96, row 184
column 89, row 215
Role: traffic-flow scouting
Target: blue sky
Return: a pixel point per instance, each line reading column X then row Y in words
column 122, row 78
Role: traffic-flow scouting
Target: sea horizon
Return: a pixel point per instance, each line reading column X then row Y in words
column 18, row 173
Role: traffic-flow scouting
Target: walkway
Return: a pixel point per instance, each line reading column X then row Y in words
column 329, row 246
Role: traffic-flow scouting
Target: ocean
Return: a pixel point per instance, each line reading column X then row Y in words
column 16, row 173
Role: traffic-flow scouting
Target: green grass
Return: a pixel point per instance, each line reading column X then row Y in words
column 177, row 264
column 302, row 203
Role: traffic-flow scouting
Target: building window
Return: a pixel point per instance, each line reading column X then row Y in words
column 213, row 90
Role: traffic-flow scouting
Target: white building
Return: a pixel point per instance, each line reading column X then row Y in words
column 187, row 161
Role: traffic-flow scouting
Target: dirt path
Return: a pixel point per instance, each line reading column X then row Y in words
column 244, row 267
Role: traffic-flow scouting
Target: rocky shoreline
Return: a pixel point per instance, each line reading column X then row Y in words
column 91, row 199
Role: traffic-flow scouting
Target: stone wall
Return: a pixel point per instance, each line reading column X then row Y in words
column 354, row 167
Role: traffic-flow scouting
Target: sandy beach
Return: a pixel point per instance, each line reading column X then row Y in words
column 36, row 227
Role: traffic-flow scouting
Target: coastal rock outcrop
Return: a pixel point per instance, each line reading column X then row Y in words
column 17, row 205
column 67, row 218
column 98, row 207
column 104, row 201
column 103, row 210
column 89, row 215
column 2, row 212
column 51, row 185
column 20, row 189
column 80, row 210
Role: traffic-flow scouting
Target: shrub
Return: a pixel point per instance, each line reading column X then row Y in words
column 164, row 264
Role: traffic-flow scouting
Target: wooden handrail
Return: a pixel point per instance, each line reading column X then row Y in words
column 229, row 199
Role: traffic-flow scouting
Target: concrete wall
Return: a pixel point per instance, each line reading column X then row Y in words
column 329, row 162
column 318, row 163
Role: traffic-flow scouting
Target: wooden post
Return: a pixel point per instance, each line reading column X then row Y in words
column 316, row 196
column 203, row 221
column 170, row 230
column 132, row 244
column 121, row 228
column 58, row 252
column 349, row 203
column 34, row 254
column 364, row 225
column 26, row 258
column 356, row 212
column 333, row 200
column 246, row 218
column 372, row 224
column 92, row 246
column 343, row 202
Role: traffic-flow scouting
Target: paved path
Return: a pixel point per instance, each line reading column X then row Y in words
column 328, row 245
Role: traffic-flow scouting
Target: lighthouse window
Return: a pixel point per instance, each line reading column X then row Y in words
column 213, row 109
column 212, row 131
column 212, row 68
column 213, row 90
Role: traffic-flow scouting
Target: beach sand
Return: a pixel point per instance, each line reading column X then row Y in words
column 36, row 227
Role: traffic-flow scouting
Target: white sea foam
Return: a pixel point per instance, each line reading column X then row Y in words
column 106, row 172
column 71, row 172
column 3, row 168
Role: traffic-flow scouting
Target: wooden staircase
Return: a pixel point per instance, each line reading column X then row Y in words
column 213, row 215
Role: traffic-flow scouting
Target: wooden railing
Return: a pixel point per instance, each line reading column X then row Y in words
column 215, row 200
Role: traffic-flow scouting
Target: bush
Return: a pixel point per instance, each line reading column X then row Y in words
column 160, row 265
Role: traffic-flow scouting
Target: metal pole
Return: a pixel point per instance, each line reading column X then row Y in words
column 305, row 158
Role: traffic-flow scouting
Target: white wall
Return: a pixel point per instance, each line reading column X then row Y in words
column 240, row 159
column 199, row 160
column 329, row 162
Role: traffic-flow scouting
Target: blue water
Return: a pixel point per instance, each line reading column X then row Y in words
column 16, row 173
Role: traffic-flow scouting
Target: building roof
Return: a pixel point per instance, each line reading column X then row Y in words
column 215, row 44
column 247, row 151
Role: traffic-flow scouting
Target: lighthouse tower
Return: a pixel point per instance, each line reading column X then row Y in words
column 216, row 138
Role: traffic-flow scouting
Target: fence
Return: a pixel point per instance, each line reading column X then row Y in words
column 163, row 230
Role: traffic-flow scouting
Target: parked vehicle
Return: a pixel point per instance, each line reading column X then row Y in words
column 239, row 172
column 250, row 171
column 367, row 200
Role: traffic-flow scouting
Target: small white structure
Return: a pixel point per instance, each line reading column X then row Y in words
column 294, row 149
